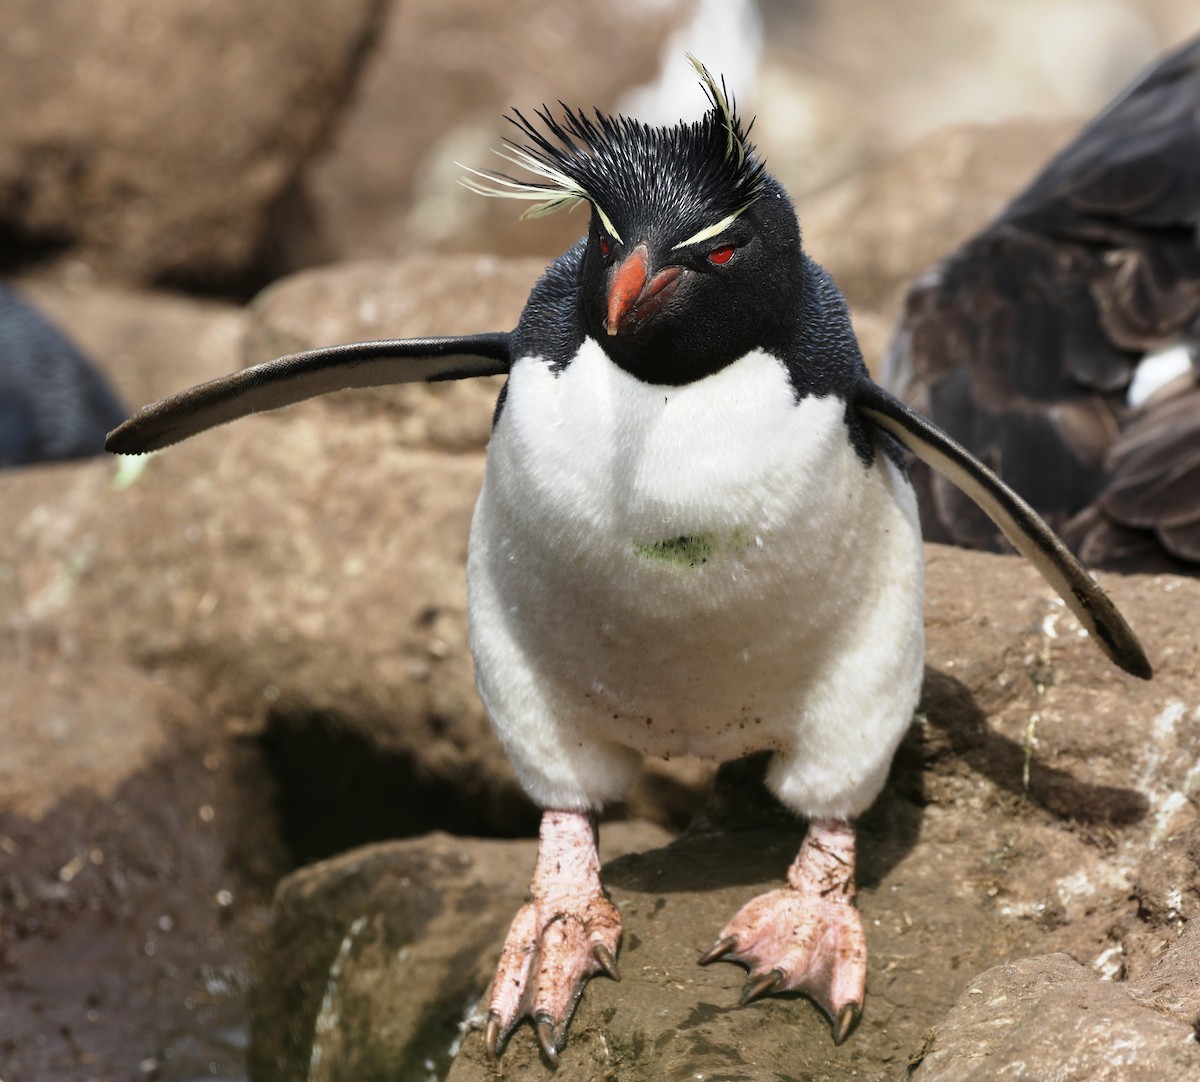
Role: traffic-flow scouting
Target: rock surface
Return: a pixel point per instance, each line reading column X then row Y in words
column 254, row 655
column 162, row 140
column 374, row 955
column 1051, row 1017
column 433, row 93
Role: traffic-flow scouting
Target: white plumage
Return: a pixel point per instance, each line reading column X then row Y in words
column 663, row 570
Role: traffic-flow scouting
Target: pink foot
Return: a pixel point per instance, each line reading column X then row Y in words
column 567, row 932
column 806, row 937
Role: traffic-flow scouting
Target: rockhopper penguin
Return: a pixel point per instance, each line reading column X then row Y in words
column 695, row 536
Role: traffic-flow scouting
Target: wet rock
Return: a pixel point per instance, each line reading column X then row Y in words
column 163, row 141
column 137, row 851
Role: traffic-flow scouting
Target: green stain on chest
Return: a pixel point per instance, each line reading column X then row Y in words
column 690, row 550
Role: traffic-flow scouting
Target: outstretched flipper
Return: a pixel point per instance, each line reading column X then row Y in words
column 291, row 379
column 1019, row 522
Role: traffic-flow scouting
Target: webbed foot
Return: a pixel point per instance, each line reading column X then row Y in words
column 806, row 937
column 567, row 932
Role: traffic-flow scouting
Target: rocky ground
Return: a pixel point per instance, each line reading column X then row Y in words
column 230, row 682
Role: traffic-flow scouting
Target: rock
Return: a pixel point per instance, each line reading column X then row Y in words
column 847, row 88
column 150, row 343
column 163, row 141
column 54, row 403
column 138, row 845
column 62, row 734
column 878, row 230
column 1050, row 1017
column 262, row 560
column 375, row 955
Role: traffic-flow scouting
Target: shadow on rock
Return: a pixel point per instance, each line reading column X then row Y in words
column 958, row 728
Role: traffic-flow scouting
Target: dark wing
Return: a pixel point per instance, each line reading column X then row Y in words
column 1022, row 344
column 298, row 376
column 1155, row 482
column 1023, row 527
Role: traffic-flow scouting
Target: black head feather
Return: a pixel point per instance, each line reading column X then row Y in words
column 692, row 175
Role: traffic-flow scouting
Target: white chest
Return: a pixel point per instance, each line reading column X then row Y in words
column 597, row 457
column 676, row 563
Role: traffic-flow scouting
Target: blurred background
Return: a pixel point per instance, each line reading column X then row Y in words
column 209, row 146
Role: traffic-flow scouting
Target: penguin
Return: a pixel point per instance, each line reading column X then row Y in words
column 54, row 404
column 1062, row 344
column 695, row 535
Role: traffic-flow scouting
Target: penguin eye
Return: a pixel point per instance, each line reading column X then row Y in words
column 721, row 255
column 604, row 246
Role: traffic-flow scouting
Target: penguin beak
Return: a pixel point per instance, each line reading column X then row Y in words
column 632, row 300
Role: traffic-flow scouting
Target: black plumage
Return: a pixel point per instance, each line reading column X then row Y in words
column 1023, row 343
column 54, row 404
column 686, row 177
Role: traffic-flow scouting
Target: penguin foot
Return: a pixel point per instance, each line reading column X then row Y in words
column 806, row 937
column 567, row 932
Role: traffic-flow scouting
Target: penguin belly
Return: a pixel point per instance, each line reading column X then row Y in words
column 709, row 570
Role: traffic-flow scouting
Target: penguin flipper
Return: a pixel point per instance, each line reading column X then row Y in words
column 298, row 376
column 1019, row 522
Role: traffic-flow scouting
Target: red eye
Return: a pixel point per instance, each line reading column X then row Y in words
column 721, row 255
column 603, row 244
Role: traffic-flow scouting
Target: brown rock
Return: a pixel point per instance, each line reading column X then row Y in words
column 309, row 574
column 138, row 845
column 287, row 594
column 374, row 956
column 877, row 231
column 150, row 344
column 1050, row 1017
column 1018, row 813
column 63, row 735
column 162, row 139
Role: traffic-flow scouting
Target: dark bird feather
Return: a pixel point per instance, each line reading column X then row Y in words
column 1023, row 344
column 54, row 403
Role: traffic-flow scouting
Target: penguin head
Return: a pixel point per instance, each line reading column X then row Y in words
column 693, row 254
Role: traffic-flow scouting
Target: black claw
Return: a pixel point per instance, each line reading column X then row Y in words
column 547, row 1038
column 718, row 950
column 762, row 985
column 847, row 1019
column 606, row 961
column 491, row 1037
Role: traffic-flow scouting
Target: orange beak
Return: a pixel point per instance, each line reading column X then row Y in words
column 631, row 300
